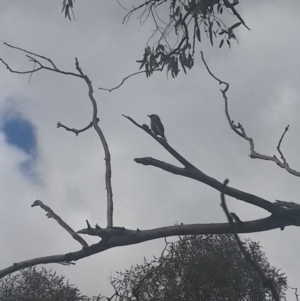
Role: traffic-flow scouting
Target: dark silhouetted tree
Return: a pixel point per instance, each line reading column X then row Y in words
column 205, row 267
column 31, row 284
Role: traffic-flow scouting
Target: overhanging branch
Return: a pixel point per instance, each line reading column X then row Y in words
column 124, row 237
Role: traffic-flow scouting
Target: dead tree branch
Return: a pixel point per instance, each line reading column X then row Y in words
column 163, row 142
column 122, row 82
column 240, row 131
column 33, row 57
column 192, row 172
column 125, row 79
column 116, row 237
column 279, row 144
column 60, row 125
column 51, row 214
column 105, row 147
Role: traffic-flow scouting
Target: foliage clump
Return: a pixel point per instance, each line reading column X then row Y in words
column 205, row 267
column 31, row 284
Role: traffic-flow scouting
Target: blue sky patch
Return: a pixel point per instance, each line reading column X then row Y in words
column 20, row 133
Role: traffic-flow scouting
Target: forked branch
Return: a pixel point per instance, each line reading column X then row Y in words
column 38, row 59
column 192, row 172
column 240, row 131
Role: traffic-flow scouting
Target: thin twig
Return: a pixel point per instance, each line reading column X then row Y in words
column 111, row 89
column 74, row 130
column 53, row 68
column 127, row 77
column 122, row 5
column 37, row 55
column 31, row 75
column 279, row 144
column 296, row 291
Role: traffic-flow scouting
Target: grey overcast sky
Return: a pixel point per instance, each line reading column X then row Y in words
column 67, row 172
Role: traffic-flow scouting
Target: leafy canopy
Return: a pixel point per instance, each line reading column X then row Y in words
column 31, row 284
column 206, row 267
column 177, row 26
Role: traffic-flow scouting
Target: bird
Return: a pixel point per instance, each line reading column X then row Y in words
column 156, row 126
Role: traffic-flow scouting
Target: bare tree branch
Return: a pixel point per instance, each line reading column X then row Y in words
column 37, row 55
column 287, row 204
column 163, row 142
column 192, row 172
column 279, row 144
column 239, row 130
column 296, row 291
column 127, row 77
column 105, row 147
column 51, row 214
column 74, row 130
column 95, row 119
column 53, row 68
column 116, row 237
column 122, row 82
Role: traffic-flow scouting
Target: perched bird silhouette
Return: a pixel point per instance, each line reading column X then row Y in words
column 156, row 126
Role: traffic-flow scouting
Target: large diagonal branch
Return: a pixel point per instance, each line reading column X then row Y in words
column 240, row 131
column 36, row 59
column 192, row 172
column 163, row 142
column 116, row 237
column 198, row 175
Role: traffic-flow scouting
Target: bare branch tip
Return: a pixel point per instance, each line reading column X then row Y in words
column 36, row 203
column 88, row 224
column 226, row 182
